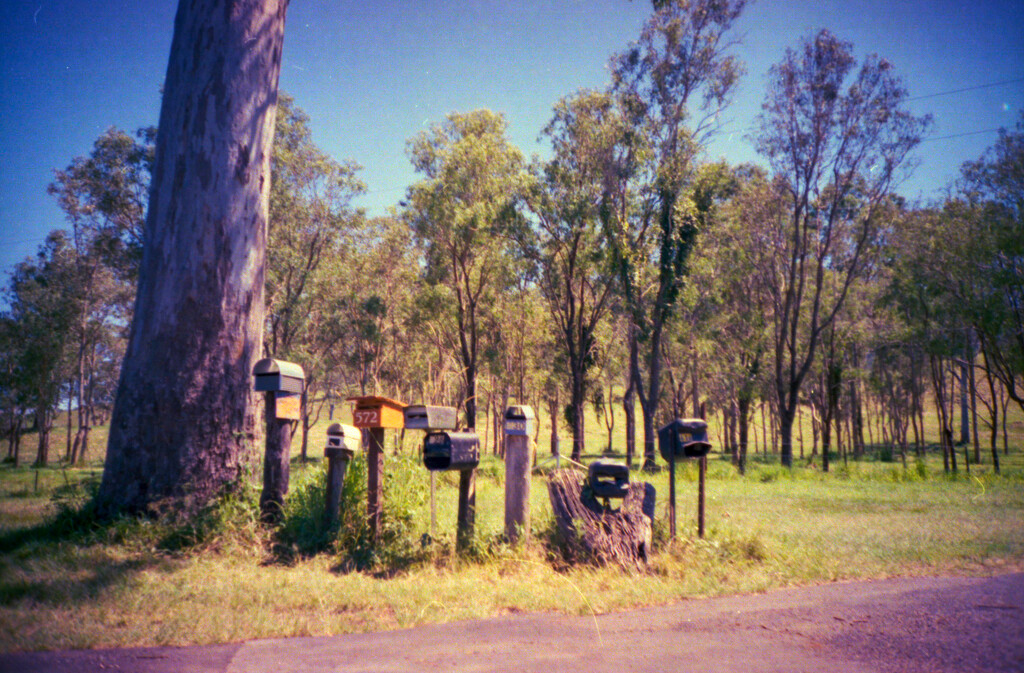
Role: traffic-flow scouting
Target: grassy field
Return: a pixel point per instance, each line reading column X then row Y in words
column 72, row 583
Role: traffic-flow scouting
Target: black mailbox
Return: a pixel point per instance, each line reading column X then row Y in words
column 423, row 417
column 609, row 479
column 684, row 438
column 278, row 375
column 451, row 451
column 342, row 441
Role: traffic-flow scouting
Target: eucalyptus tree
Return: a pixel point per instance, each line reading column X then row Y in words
column 311, row 222
column 742, row 259
column 573, row 204
column 671, row 84
column 183, row 424
column 103, row 195
column 43, row 307
column 838, row 134
column 462, row 211
column 373, row 285
column 12, row 392
column 990, row 265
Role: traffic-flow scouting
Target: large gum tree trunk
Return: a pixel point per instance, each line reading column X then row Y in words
column 183, row 423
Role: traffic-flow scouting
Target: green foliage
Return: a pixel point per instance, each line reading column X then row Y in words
column 304, row 532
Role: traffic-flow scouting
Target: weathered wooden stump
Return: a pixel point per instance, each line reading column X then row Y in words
column 592, row 532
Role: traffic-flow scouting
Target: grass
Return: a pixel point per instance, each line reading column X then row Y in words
column 68, row 582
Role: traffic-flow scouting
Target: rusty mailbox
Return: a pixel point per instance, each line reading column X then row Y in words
column 449, row 450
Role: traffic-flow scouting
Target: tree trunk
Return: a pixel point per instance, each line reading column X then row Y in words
column 972, row 380
column 68, row 455
column 183, row 426
column 577, row 404
column 945, row 436
column 590, row 532
column 609, row 418
column 629, row 406
column 800, row 428
column 553, row 412
column 304, row 415
column 694, row 390
column 14, row 448
column 786, row 418
column 743, row 404
column 995, row 415
column 43, row 424
column 965, row 422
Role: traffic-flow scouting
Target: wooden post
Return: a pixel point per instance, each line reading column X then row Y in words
column 703, row 465
column 467, row 509
column 672, row 499
column 433, row 504
column 337, row 465
column 701, row 476
column 517, row 487
column 375, row 480
column 275, row 462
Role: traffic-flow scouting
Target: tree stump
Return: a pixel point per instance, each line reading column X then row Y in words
column 594, row 533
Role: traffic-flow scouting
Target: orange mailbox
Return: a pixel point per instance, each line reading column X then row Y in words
column 377, row 412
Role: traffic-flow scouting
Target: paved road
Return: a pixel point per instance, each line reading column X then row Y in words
column 933, row 625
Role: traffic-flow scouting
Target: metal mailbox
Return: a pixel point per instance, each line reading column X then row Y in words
column 424, row 417
column 609, row 479
column 451, row 451
column 683, row 438
column 278, row 376
column 343, row 441
column 520, row 421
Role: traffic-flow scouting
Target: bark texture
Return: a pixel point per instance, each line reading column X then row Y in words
column 183, row 425
column 592, row 533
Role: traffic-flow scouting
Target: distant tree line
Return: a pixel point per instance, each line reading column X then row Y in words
column 626, row 268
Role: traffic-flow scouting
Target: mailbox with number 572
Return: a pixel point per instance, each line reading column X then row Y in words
column 451, row 451
column 683, row 438
column 377, row 412
column 520, row 421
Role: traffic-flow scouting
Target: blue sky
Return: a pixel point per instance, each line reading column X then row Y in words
column 373, row 74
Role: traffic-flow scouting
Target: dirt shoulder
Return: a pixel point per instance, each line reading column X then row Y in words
column 933, row 624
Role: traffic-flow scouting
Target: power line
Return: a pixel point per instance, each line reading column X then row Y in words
column 961, row 135
column 969, row 88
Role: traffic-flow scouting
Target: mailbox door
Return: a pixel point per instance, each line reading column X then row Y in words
column 668, row 443
column 465, row 451
column 437, row 451
column 267, row 382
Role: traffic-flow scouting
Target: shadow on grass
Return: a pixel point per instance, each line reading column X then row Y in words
column 67, row 561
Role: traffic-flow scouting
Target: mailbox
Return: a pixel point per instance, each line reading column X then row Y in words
column 451, row 451
column 277, row 375
column 684, row 438
column 422, row 417
column 609, row 479
column 343, row 441
column 520, row 421
column 377, row 412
